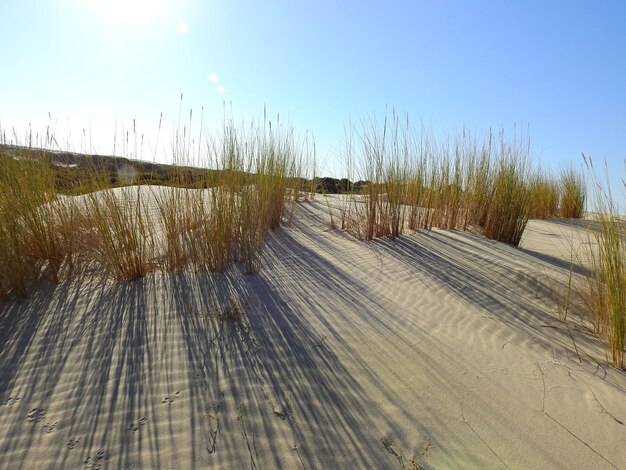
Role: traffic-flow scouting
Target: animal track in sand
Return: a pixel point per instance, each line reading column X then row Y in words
column 50, row 426
column 36, row 414
column 73, row 442
column 170, row 399
column 135, row 427
column 11, row 401
column 96, row 463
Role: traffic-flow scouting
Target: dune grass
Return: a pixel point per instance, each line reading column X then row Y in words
column 226, row 191
column 544, row 195
column 573, row 193
column 417, row 181
column 613, row 264
column 34, row 234
column 507, row 210
column 129, row 230
column 119, row 237
column 605, row 293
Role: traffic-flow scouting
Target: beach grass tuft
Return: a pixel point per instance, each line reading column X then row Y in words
column 215, row 210
column 605, row 295
column 415, row 181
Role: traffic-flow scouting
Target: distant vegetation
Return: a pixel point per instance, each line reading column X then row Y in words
column 74, row 172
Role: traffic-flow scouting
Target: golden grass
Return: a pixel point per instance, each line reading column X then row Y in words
column 613, row 264
column 130, row 231
column 411, row 180
column 573, row 193
column 507, row 209
column 33, row 232
column 605, row 295
column 119, row 237
column 544, row 195
column 417, row 181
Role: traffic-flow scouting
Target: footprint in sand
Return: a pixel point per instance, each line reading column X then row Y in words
column 11, row 401
column 170, row 399
column 50, row 426
column 134, row 427
column 72, row 442
column 36, row 414
column 95, row 463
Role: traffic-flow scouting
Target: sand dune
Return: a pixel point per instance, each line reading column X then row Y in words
column 339, row 354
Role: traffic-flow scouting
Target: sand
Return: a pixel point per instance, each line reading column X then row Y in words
column 442, row 346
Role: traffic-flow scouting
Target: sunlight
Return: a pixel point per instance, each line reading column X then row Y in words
column 128, row 12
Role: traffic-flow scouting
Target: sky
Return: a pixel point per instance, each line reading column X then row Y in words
column 88, row 69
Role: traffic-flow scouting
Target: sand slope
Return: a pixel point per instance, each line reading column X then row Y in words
column 349, row 355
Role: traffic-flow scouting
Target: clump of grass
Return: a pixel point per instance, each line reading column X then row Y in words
column 217, row 209
column 120, row 238
column 613, row 261
column 426, row 184
column 507, row 211
column 592, row 292
column 544, row 194
column 373, row 148
column 175, row 210
column 573, row 193
column 268, row 154
column 247, row 196
column 383, row 163
column 477, row 180
column 34, row 231
column 395, row 175
column 220, row 227
column 606, row 296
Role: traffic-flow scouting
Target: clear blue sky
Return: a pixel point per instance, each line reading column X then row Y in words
column 556, row 68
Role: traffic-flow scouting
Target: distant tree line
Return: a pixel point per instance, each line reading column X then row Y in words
column 328, row 185
column 74, row 173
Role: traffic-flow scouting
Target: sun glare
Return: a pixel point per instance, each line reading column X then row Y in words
column 127, row 12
